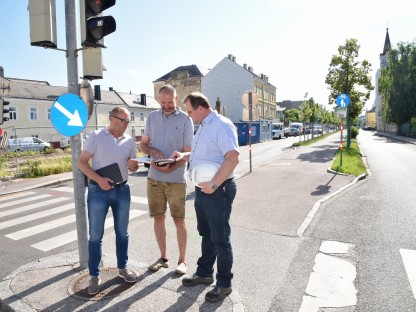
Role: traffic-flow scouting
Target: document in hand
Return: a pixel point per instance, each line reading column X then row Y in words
column 111, row 171
column 159, row 162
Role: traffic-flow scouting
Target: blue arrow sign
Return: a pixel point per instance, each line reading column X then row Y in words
column 69, row 114
column 343, row 100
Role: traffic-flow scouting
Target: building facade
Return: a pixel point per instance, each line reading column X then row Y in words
column 224, row 86
column 31, row 103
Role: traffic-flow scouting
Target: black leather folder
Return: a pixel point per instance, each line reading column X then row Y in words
column 111, row 171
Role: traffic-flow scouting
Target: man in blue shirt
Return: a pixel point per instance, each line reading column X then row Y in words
column 215, row 142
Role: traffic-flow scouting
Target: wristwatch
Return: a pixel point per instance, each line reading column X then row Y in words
column 213, row 186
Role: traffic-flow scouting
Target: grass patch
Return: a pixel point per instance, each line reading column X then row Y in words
column 38, row 168
column 352, row 162
column 315, row 139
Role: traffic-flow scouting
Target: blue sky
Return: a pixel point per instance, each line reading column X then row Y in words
column 290, row 41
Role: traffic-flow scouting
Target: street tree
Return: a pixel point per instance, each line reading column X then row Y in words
column 291, row 115
column 348, row 75
column 397, row 84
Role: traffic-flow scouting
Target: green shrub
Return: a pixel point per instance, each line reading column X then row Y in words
column 354, row 132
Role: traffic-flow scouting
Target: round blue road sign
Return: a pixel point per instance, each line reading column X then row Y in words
column 343, row 100
column 69, row 114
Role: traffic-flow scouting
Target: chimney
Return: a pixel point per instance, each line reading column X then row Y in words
column 250, row 69
column 234, row 59
column 97, row 92
column 1, row 71
column 245, row 66
column 262, row 76
column 230, row 56
column 143, row 99
column 110, row 88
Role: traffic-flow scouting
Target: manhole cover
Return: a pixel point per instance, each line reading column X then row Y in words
column 111, row 285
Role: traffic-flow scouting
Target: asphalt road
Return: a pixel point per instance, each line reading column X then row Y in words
column 376, row 218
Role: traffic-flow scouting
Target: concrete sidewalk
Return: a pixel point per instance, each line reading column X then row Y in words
column 271, row 207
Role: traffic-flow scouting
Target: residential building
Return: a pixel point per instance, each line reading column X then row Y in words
column 370, row 118
column 31, row 103
column 224, row 86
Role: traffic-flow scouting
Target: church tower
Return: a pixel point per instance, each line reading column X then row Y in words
column 380, row 126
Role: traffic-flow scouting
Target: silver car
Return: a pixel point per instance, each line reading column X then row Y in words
column 27, row 143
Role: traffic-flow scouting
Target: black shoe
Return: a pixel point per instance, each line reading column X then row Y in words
column 217, row 294
column 196, row 279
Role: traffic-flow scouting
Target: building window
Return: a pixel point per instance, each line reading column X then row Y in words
column 13, row 113
column 33, row 113
column 132, row 117
column 109, row 114
column 141, row 132
column 48, row 113
column 141, row 116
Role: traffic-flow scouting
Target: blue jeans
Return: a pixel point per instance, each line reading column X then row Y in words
column 213, row 216
column 99, row 201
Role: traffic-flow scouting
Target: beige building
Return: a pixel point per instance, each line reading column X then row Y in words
column 31, row 103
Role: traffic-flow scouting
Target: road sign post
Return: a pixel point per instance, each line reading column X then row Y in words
column 249, row 101
column 343, row 100
column 76, row 141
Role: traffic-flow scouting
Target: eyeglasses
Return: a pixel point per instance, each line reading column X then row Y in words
column 125, row 121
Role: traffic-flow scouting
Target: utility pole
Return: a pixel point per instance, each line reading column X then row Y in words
column 76, row 140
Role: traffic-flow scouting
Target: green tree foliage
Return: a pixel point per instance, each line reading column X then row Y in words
column 397, row 84
column 305, row 111
column 348, row 75
column 291, row 115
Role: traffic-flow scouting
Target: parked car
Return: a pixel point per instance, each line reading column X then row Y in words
column 64, row 142
column 27, row 143
column 294, row 132
column 279, row 131
column 317, row 130
column 307, row 130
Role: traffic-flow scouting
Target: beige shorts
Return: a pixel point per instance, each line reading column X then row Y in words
column 161, row 193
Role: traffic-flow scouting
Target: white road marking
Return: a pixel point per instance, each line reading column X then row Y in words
column 41, row 228
column 32, row 206
column 14, row 196
column 35, row 216
column 24, row 200
column 70, row 237
column 139, row 200
column 331, row 284
column 64, row 189
column 409, row 260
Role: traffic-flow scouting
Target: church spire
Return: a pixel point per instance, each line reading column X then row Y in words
column 387, row 44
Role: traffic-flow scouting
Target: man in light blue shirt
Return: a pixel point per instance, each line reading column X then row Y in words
column 215, row 142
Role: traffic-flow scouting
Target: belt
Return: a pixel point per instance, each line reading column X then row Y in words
column 115, row 186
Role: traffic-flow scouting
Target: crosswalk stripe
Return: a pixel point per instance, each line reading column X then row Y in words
column 70, row 237
column 32, row 206
column 64, row 189
column 35, row 216
column 14, row 196
column 409, row 260
column 24, row 200
column 139, row 200
column 41, row 227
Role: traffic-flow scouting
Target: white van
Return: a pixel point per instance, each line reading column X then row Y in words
column 279, row 131
column 27, row 143
column 298, row 125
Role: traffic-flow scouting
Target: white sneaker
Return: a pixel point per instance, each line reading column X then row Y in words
column 181, row 269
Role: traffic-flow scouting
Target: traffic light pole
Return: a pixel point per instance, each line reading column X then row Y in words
column 76, row 141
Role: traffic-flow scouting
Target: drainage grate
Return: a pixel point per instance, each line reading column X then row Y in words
column 111, row 285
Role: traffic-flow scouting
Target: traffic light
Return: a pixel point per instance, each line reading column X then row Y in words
column 94, row 26
column 3, row 110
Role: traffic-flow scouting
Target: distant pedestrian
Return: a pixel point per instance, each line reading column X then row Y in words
column 167, row 129
column 105, row 147
column 214, row 142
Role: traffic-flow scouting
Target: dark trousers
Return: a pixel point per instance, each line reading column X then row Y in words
column 213, row 216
